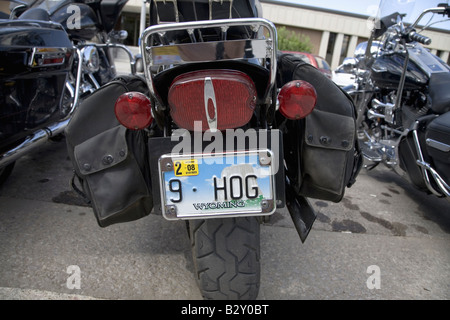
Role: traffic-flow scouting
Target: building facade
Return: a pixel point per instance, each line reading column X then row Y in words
column 334, row 35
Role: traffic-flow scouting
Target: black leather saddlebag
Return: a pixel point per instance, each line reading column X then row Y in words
column 321, row 151
column 110, row 161
column 438, row 144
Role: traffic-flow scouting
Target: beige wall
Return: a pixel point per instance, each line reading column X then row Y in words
column 4, row 7
column 314, row 36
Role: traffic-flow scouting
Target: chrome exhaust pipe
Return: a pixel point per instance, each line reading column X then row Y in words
column 33, row 141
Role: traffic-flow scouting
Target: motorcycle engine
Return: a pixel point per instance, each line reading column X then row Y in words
column 384, row 123
column 416, row 105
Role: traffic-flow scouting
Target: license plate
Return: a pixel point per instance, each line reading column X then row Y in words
column 216, row 185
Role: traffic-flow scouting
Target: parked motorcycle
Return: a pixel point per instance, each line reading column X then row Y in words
column 48, row 64
column 403, row 103
column 222, row 131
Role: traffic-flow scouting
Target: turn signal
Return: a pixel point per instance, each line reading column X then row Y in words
column 297, row 99
column 133, row 110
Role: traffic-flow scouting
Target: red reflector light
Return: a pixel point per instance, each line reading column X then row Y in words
column 50, row 61
column 220, row 99
column 133, row 110
column 297, row 99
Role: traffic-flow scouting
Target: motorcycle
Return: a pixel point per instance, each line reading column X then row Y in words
column 403, row 103
column 48, row 65
column 222, row 131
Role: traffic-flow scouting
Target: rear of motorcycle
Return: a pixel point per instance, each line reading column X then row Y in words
column 35, row 61
column 207, row 137
column 47, row 67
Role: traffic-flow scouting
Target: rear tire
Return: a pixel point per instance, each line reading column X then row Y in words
column 226, row 254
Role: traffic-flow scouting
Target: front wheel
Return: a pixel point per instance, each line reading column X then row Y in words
column 226, row 254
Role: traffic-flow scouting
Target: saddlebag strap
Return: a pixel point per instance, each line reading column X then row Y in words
column 77, row 190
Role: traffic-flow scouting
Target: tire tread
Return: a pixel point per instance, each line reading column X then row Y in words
column 230, row 267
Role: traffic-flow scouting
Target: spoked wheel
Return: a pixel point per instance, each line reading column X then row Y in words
column 226, row 254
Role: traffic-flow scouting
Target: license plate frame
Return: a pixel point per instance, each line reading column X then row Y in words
column 250, row 190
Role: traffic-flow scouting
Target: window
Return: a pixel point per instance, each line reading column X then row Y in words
column 330, row 47
column 344, row 48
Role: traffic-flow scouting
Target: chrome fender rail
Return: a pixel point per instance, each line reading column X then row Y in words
column 166, row 55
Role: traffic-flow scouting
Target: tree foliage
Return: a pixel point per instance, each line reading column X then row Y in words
column 291, row 41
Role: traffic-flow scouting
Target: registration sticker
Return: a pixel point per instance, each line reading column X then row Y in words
column 183, row 168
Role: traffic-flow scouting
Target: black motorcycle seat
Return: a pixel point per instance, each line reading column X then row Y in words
column 35, row 14
column 439, row 93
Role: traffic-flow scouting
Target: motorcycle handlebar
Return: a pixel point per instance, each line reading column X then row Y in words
column 446, row 8
column 414, row 36
column 443, row 9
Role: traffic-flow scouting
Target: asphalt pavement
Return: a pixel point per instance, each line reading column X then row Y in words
column 385, row 240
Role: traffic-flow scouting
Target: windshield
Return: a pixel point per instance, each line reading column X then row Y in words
column 410, row 10
column 390, row 13
column 406, row 7
column 49, row 5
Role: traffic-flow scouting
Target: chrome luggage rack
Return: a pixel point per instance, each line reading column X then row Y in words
column 160, row 53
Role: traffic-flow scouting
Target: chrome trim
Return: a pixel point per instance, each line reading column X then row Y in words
column 388, row 110
column 47, row 53
column 32, row 141
column 210, row 95
column 77, row 83
column 94, row 81
column 91, row 59
column 444, row 188
column 118, row 46
column 208, row 51
column 433, row 10
column 438, row 145
column 159, row 31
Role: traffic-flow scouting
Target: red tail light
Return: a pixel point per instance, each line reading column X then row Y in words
column 297, row 99
column 220, row 99
column 133, row 110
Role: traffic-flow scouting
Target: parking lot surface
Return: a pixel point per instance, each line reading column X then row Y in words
column 384, row 240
